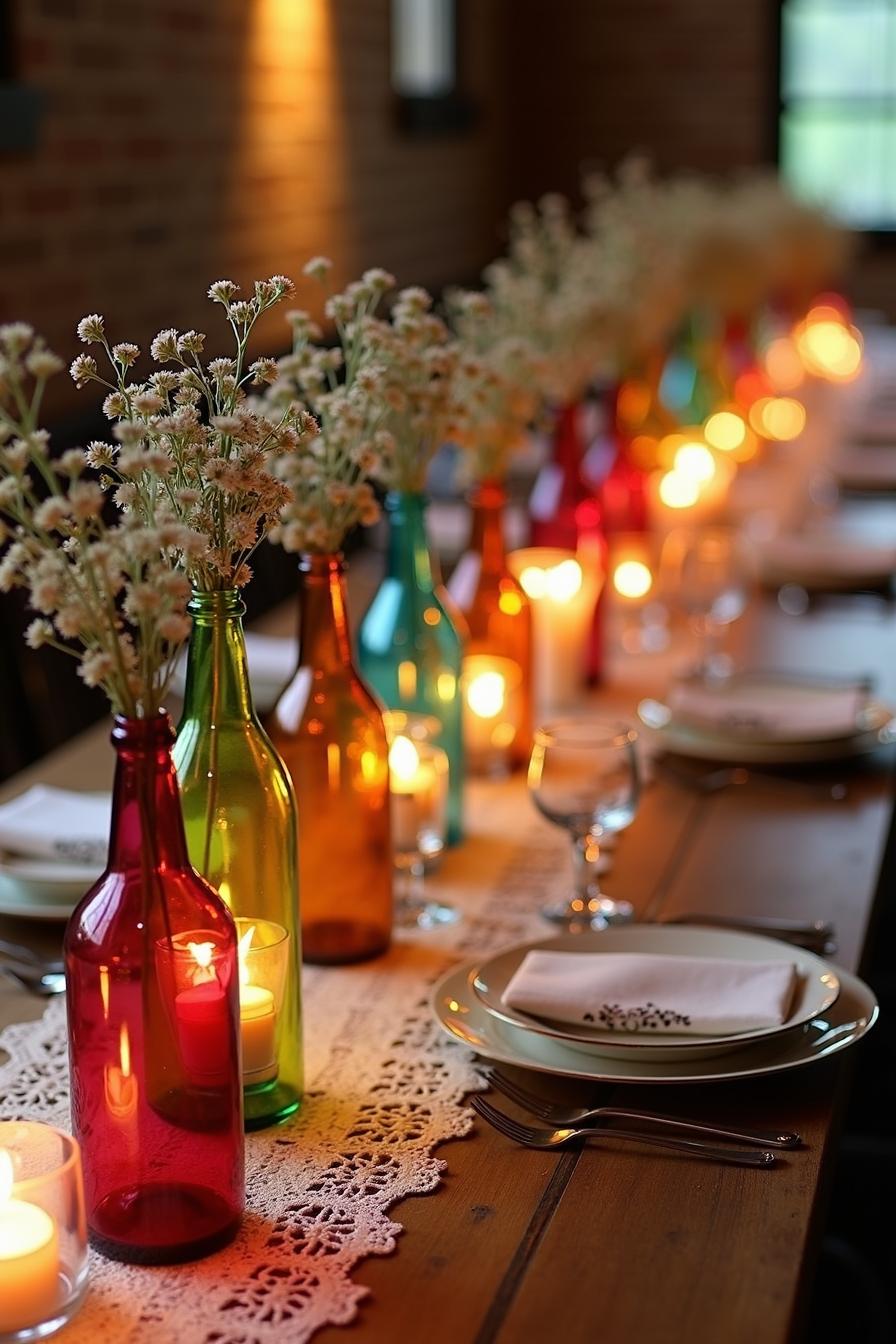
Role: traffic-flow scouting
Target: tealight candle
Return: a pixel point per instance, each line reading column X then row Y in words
column 29, row 1258
column 258, row 1016
column 492, row 709
column 418, row 786
column 201, row 1014
column 563, row 592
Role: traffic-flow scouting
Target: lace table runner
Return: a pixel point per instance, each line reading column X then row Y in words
column 385, row 1087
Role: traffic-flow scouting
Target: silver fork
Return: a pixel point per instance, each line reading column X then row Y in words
column 560, row 1138
column 556, row 1114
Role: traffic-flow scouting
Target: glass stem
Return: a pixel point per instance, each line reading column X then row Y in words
column 586, row 855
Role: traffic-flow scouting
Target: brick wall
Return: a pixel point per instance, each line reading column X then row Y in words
column 183, row 140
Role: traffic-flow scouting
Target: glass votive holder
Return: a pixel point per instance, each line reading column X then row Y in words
column 493, row 710
column 639, row 620
column 194, row 974
column 263, row 959
column 418, row 785
column 43, row 1230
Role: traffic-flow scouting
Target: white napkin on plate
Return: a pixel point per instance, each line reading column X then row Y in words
column 49, row 823
column 766, row 712
column 651, row 994
column 814, row 556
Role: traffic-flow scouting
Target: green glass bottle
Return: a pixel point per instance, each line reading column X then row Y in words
column 410, row 647
column 240, row 820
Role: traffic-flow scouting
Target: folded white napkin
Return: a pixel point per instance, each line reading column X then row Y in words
column 642, row 992
column 767, row 712
column 50, row 823
column 821, row 555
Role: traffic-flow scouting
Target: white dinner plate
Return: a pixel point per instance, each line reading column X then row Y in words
column 715, row 745
column 816, row 992
column 13, row 901
column 464, row 1018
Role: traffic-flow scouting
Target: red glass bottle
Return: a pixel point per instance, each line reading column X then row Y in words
column 623, row 493
column 566, row 512
column 153, row 1023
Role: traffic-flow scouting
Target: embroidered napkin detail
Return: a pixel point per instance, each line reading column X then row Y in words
column 652, row 994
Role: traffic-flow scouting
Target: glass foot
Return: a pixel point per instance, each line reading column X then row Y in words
column 596, row 913
column 425, row 914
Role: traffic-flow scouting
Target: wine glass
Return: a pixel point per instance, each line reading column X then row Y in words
column 418, row 779
column 712, row 576
column 584, row 776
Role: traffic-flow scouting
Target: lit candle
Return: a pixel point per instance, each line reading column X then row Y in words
column 258, row 1021
column 410, row 781
column 29, row 1258
column 201, row 1013
column 563, row 593
column 491, row 708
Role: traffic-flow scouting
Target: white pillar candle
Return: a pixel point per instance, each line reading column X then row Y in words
column 29, row 1258
column 563, row 592
column 411, row 781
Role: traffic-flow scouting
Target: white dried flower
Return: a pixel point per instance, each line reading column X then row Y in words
column 82, row 369
column 91, row 329
column 318, row 268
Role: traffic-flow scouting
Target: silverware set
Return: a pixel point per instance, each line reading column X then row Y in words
column 38, row 975
column 570, row 1125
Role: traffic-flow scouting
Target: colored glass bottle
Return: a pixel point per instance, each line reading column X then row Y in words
column 495, row 607
column 329, row 730
column 240, row 818
column 410, row 648
column 566, row 512
column 153, row 1019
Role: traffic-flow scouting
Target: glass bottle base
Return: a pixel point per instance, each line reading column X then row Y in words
column 162, row 1223
column 336, row 942
column 268, row 1104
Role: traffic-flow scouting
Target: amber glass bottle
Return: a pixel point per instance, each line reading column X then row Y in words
column 496, row 609
column 329, row 730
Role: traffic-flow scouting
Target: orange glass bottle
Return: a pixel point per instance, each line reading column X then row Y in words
column 329, row 730
column 494, row 605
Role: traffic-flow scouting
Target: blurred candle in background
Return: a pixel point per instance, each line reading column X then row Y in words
column 563, row 594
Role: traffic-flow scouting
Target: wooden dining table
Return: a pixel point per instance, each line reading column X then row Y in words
column 611, row 1242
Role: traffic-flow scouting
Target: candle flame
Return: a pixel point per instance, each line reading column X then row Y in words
column 678, row 491
column 694, row 460
column 5, row 1175
column 725, row 430
column 404, row 759
column 243, row 952
column 202, row 954
column 632, row 578
column 485, row 694
column 560, row 582
column 124, row 1050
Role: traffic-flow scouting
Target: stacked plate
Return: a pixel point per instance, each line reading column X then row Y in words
column 760, row 719
column 52, row 849
column 831, row 1009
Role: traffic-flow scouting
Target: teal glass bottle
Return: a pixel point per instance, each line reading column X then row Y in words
column 409, row 645
column 240, row 821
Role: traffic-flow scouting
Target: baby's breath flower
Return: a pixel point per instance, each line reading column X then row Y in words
column 15, row 337
column 164, row 346
column 192, row 342
column 125, row 353
column 72, row 462
column 39, row 632
column 82, row 369
column 91, row 329
column 42, row 363
column 222, row 291
column 318, row 268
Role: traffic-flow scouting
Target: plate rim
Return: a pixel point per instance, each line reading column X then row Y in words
column 627, row 1045
column 853, row 985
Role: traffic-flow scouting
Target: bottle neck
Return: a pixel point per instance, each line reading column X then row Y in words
column 217, row 682
column 324, row 641
column 408, row 556
column 147, row 823
column 487, row 502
